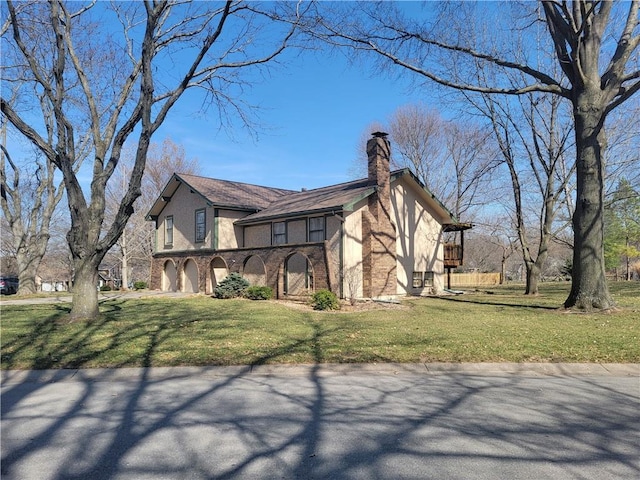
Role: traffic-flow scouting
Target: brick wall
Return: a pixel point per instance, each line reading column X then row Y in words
column 274, row 259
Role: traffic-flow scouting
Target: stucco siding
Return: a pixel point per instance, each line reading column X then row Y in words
column 297, row 231
column 257, row 235
column 334, row 247
column 182, row 208
column 352, row 254
column 334, row 225
column 229, row 235
column 419, row 239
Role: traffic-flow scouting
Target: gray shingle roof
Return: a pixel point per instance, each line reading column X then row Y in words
column 225, row 193
column 317, row 200
column 271, row 203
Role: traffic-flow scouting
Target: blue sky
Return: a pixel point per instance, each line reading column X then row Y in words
column 314, row 110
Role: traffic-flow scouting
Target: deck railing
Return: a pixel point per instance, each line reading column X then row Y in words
column 452, row 255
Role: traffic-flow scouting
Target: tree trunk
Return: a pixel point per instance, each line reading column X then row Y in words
column 626, row 256
column 533, row 277
column 26, row 276
column 124, row 264
column 124, row 274
column 589, row 288
column 85, row 290
column 27, row 263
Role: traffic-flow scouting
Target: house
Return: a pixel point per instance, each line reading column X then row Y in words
column 107, row 277
column 378, row 237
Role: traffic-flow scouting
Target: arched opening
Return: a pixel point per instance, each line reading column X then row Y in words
column 254, row 271
column 298, row 275
column 190, row 277
column 169, row 277
column 218, row 271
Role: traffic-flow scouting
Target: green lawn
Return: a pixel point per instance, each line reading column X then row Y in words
column 500, row 325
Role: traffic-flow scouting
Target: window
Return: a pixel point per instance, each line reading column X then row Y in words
column 279, row 233
column 168, row 230
column 316, row 229
column 428, row 279
column 422, row 279
column 200, row 225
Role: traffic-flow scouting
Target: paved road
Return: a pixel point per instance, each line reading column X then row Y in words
column 324, row 422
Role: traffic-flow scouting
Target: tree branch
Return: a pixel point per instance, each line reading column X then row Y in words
column 27, row 130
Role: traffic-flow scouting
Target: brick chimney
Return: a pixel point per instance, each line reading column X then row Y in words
column 378, row 230
column 379, row 154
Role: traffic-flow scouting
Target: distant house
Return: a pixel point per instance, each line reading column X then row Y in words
column 106, row 278
column 378, row 237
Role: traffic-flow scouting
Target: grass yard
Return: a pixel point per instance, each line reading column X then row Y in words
column 500, row 325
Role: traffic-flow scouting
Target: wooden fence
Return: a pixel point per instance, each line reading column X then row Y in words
column 474, row 279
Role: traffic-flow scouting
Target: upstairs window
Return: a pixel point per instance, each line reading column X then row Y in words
column 279, row 233
column 168, row 230
column 200, row 226
column 316, row 229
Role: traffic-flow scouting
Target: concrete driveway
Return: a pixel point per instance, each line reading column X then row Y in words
column 488, row 421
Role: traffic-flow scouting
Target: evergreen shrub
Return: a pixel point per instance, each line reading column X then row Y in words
column 233, row 286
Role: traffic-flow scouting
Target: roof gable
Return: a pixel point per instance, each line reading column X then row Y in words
column 411, row 179
column 220, row 193
column 229, row 194
column 447, row 219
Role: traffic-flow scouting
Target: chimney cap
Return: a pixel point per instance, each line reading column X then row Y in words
column 379, row 134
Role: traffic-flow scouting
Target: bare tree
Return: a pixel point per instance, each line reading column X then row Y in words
column 471, row 158
column 596, row 46
column 134, row 248
column 418, row 135
column 30, row 191
column 534, row 142
column 28, row 205
column 623, row 148
column 127, row 84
